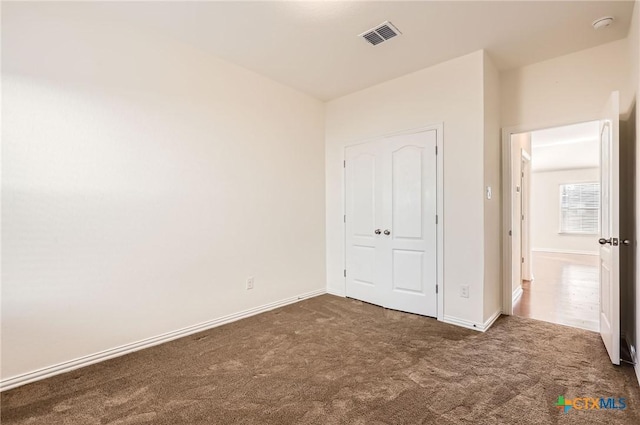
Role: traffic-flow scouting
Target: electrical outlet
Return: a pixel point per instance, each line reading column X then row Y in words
column 464, row 291
column 250, row 282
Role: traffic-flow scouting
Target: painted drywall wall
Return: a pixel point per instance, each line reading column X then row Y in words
column 633, row 56
column 492, row 207
column 142, row 182
column 627, row 227
column 450, row 93
column 568, row 89
column 545, row 212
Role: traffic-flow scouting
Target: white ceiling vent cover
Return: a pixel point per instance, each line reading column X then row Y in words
column 380, row 34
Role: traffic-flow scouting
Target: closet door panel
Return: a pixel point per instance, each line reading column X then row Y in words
column 362, row 197
column 410, row 181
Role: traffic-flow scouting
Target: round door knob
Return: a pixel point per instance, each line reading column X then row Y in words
column 387, row 232
column 626, row 242
column 377, row 231
column 603, row 241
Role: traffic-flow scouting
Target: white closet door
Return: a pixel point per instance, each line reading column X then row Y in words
column 363, row 206
column 391, row 239
column 409, row 215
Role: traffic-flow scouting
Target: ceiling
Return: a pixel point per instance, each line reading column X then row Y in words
column 313, row 45
column 568, row 147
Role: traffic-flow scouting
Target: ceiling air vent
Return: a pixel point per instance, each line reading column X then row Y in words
column 380, row 34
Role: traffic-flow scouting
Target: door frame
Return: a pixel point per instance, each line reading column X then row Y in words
column 507, row 203
column 439, row 128
column 525, row 198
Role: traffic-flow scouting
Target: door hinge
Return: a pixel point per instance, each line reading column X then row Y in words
column 522, row 260
column 345, row 272
column 509, row 232
column 344, row 164
column 436, row 150
column 436, row 288
column 436, row 219
column 344, row 218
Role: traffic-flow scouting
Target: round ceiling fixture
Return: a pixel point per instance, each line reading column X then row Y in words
column 603, row 22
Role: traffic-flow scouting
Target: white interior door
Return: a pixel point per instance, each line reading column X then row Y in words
column 609, row 229
column 390, row 222
column 409, row 216
column 362, row 222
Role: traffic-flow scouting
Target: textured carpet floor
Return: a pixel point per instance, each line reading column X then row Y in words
column 330, row 360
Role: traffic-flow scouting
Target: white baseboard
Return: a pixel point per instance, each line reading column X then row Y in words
column 36, row 375
column 461, row 322
column 565, row 251
column 516, row 294
column 481, row 327
column 489, row 322
column 336, row 292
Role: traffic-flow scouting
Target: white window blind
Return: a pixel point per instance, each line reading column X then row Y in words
column 579, row 208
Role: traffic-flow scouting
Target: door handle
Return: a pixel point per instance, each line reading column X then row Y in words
column 377, row 231
column 610, row 241
column 387, row 232
column 625, row 242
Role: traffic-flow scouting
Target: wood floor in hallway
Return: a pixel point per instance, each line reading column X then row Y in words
column 565, row 290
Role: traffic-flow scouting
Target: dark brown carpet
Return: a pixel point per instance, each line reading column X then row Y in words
column 330, row 360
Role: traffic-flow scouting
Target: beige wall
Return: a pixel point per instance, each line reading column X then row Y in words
column 545, row 212
column 568, row 89
column 634, row 84
column 142, row 182
column 450, row 93
column 493, row 206
column 627, row 227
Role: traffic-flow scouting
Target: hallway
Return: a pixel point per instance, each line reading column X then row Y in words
column 565, row 290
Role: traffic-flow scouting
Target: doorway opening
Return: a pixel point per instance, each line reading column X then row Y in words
column 607, row 196
column 556, row 225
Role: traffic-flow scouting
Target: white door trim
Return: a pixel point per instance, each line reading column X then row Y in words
column 439, row 128
column 507, row 132
column 525, row 235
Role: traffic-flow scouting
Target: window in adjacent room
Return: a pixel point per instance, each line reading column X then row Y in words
column 579, row 208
